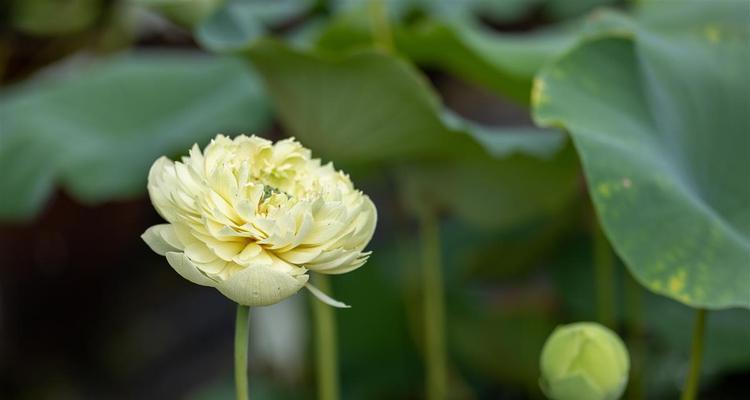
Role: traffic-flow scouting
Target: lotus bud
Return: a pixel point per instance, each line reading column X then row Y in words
column 251, row 218
column 584, row 361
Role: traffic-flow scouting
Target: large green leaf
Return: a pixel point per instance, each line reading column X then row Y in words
column 502, row 62
column 98, row 132
column 660, row 114
column 238, row 23
column 369, row 106
column 363, row 108
column 374, row 108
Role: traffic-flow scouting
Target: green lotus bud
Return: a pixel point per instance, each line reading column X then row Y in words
column 584, row 361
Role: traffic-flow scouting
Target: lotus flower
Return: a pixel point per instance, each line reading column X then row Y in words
column 252, row 218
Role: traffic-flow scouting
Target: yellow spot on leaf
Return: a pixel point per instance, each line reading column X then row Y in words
column 684, row 297
column 713, row 34
column 604, row 189
column 538, row 97
column 677, row 282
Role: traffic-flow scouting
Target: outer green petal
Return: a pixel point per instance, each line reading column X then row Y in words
column 574, row 387
column 260, row 285
column 187, row 269
column 162, row 239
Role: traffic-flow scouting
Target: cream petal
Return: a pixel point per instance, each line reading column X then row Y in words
column 188, row 179
column 159, row 196
column 350, row 267
column 304, row 225
column 187, row 269
column 199, row 252
column 324, row 232
column 224, row 183
column 259, row 285
column 221, row 211
column 325, row 298
column 328, row 255
column 300, row 256
column 196, row 160
column 162, row 239
column 250, row 251
column 366, row 232
column 224, row 269
column 225, row 250
column 216, row 269
column 345, row 258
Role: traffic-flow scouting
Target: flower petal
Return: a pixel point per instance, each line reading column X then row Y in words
column 162, row 239
column 261, row 285
column 187, row 269
column 325, row 298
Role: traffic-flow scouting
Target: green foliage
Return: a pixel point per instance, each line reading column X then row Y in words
column 97, row 133
column 659, row 116
column 54, row 17
column 187, row 13
column 504, row 63
column 447, row 35
column 364, row 108
column 483, row 192
column 236, row 25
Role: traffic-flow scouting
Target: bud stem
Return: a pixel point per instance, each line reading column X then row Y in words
column 604, row 271
column 635, row 328
column 434, row 308
column 380, row 26
column 241, row 333
column 325, row 343
column 696, row 356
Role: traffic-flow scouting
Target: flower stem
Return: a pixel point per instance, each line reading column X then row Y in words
column 325, row 343
column 696, row 355
column 241, row 332
column 434, row 308
column 381, row 28
column 604, row 268
column 638, row 368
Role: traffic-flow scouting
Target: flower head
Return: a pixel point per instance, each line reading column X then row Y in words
column 250, row 218
column 584, row 361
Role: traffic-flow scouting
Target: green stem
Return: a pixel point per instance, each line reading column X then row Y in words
column 434, row 309
column 381, row 28
column 638, row 369
column 241, row 332
column 325, row 343
column 696, row 356
column 604, row 269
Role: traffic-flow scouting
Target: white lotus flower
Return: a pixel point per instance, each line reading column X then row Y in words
column 250, row 218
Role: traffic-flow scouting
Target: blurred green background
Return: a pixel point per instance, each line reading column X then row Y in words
column 428, row 105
